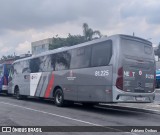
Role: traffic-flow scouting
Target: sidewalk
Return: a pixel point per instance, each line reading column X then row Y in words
column 146, row 106
column 139, row 107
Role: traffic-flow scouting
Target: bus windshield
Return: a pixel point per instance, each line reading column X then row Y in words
column 135, row 48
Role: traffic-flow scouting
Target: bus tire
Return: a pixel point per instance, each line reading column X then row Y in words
column 59, row 98
column 17, row 94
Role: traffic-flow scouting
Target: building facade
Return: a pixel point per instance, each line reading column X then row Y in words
column 40, row 46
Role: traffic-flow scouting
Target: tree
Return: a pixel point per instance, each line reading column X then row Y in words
column 89, row 33
column 57, row 43
column 69, row 41
column 74, row 39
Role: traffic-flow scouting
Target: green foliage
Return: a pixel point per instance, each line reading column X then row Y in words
column 74, row 39
column 69, row 41
column 88, row 35
column 57, row 42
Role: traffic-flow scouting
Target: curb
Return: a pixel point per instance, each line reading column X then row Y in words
column 130, row 108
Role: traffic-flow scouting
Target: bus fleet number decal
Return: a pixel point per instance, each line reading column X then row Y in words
column 102, row 73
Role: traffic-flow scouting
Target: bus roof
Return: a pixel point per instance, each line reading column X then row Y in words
column 135, row 38
column 85, row 44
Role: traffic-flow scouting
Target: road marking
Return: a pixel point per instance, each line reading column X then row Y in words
column 35, row 110
column 65, row 117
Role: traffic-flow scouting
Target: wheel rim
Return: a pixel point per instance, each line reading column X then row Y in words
column 59, row 97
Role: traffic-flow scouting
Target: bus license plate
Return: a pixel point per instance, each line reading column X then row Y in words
column 140, row 98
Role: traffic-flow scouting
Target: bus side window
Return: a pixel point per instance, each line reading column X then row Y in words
column 16, row 68
column 81, row 57
column 25, row 66
column 53, row 61
column 34, row 65
column 45, row 64
column 62, row 60
column 101, row 54
column 26, row 70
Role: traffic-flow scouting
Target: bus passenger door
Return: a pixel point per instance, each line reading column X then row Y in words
column 68, row 83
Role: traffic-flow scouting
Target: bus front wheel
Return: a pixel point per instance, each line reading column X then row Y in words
column 17, row 94
column 59, row 98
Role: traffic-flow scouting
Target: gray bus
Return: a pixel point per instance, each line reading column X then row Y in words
column 119, row 68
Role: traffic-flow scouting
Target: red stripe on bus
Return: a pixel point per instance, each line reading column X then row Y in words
column 49, row 86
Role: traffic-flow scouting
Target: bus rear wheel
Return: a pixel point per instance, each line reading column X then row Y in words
column 59, row 98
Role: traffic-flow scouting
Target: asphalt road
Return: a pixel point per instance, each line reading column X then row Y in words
column 34, row 112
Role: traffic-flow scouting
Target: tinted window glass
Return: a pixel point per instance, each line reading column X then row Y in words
column 148, row 49
column 45, row 64
column 53, row 61
column 135, row 48
column 17, row 68
column 101, row 54
column 25, row 66
column 81, row 57
column 62, row 60
column 34, row 65
column 21, row 67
